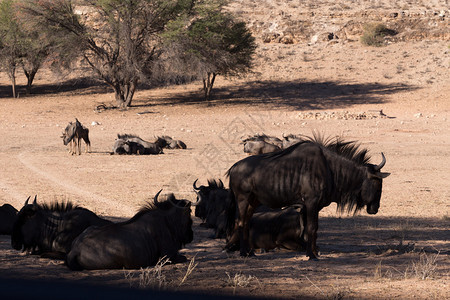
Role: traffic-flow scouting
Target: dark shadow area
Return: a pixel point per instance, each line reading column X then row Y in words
column 372, row 235
column 83, row 86
column 58, row 289
column 377, row 235
column 298, row 95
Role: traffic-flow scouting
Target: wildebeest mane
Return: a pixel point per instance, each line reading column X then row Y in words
column 215, row 184
column 164, row 205
column 127, row 136
column 62, row 206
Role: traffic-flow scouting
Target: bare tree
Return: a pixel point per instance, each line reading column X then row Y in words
column 120, row 40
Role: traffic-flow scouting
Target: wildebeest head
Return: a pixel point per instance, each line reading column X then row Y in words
column 372, row 185
column 22, row 236
column 203, row 193
column 121, row 147
column 69, row 133
column 180, row 213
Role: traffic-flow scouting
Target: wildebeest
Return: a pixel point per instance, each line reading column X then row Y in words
column 266, row 138
column 269, row 228
column 277, row 228
column 213, row 205
column 73, row 134
column 259, row 144
column 291, row 139
column 259, row 147
column 132, row 144
column 8, row 215
column 49, row 229
column 314, row 173
column 169, row 143
column 157, row 230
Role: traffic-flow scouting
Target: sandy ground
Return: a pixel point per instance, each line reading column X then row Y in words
column 334, row 89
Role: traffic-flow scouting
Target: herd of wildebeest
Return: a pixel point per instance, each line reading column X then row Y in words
column 273, row 201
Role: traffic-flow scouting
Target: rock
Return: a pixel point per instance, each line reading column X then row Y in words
column 418, row 115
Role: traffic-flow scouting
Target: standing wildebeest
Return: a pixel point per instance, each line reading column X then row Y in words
column 50, row 229
column 157, row 230
column 212, row 206
column 73, row 134
column 169, row 143
column 8, row 215
column 136, row 145
column 313, row 173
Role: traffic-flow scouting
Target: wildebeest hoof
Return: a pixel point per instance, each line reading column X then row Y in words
column 313, row 259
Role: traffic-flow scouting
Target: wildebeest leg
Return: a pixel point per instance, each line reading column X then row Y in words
column 72, row 146
column 312, row 224
column 245, row 213
column 79, row 145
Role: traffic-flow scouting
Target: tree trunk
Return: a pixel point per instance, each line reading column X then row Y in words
column 30, row 77
column 208, row 84
column 124, row 94
column 12, row 76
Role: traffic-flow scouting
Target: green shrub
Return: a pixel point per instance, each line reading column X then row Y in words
column 374, row 34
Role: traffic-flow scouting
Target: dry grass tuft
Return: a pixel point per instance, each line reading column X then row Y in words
column 192, row 265
column 240, row 280
column 425, row 267
column 153, row 277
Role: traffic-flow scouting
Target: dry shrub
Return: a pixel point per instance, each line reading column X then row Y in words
column 374, row 34
column 425, row 267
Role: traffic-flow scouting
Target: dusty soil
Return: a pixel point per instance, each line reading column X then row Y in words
column 336, row 88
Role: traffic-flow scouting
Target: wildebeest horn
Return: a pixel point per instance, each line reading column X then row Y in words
column 383, row 162
column 195, row 186
column 26, row 202
column 155, row 199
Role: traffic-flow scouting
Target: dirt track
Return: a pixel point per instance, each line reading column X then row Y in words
column 329, row 91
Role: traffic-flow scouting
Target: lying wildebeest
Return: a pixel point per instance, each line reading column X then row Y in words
column 276, row 228
column 49, row 230
column 157, row 230
column 73, row 134
column 8, row 215
column 127, row 147
column 169, row 143
column 259, row 144
column 313, row 173
column 263, row 137
column 212, row 207
column 291, row 139
column 259, row 147
column 132, row 144
column 269, row 228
